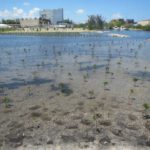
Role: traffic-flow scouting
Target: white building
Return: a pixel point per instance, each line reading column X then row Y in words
column 54, row 15
column 144, row 22
column 4, row 26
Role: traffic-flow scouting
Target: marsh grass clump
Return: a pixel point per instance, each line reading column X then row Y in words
column 65, row 89
column 146, row 106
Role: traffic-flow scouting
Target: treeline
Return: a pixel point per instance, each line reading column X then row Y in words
column 145, row 28
column 10, row 21
column 94, row 22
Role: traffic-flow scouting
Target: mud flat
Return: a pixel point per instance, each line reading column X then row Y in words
column 89, row 93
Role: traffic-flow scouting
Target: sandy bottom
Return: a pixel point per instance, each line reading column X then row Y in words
column 75, row 107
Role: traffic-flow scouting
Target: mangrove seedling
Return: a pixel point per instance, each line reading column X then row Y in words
column 34, row 74
column 146, row 106
column 105, row 84
column 85, row 77
column 29, row 91
column 6, row 101
column 119, row 63
column 107, row 70
column 135, row 81
column 69, row 74
column 95, row 120
column 92, row 94
column 131, row 91
column 64, row 88
column 112, row 74
column 94, row 67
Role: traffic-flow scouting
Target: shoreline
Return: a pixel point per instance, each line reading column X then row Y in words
column 58, row 31
column 44, row 31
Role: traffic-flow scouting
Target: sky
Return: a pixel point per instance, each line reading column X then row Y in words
column 77, row 10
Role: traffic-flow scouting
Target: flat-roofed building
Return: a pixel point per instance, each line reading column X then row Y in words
column 144, row 22
column 54, row 15
column 130, row 21
column 26, row 23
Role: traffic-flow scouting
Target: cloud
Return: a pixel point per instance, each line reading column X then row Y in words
column 4, row 13
column 33, row 13
column 26, row 3
column 19, row 13
column 80, row 11
column 117, row 16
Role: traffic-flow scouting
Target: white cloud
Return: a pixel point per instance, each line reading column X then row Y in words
column 19, row 13
column 80, row 11
column 117, row 16
column 33, row 13
column 4, row 13
column 26, row 3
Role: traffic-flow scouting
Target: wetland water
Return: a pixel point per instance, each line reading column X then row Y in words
column 20, row 56
column 58, row 83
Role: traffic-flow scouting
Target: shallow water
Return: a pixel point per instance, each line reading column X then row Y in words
column 22, row 55
column 52, row 87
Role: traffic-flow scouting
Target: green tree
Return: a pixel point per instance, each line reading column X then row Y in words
column 117, row 22
column 95, row 22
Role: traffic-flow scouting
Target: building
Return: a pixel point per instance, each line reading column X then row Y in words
column 26, row 23
column 144, row 23
column 4, row 26
column 130, row 21
column 118, row 20
column 54, row 15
